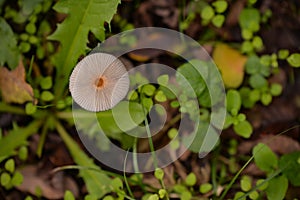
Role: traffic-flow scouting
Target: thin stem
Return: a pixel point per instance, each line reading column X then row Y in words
column 125, row 178
column 150, row 142
column 135, row 162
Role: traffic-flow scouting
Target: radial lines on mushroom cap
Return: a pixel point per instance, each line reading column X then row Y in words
column 99, row 82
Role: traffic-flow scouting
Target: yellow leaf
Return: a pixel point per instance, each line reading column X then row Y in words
column 13, row 87
column 231, row 64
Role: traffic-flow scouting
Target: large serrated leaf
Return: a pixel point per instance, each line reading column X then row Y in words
column 83, row 17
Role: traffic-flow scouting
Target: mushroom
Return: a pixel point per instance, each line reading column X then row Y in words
column 99, row 82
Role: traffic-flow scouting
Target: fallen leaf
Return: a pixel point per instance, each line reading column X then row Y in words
column 52, row 186
column 13, row 86
column 231, row 64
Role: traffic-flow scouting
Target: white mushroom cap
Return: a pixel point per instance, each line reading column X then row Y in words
column 99, row 82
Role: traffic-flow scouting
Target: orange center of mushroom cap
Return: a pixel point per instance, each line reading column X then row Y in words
column 100, row 82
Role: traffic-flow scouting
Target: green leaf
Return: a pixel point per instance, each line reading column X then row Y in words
column 254, row 195
column 249, row 19
column 46, row 83
column 266, row 98
column 238, row 196
column 148, row 89
column 186, row 195
column 257, row 43
column 5, row 179
column 10, row 165
column 162, row 193
column 117, row 184
column 220, row 6
column 163, row 80
column 277, row 188
column 23, row 153
column 253, row 64
column 17, row 179
column 283, row 54
column 247, row 47
column 9, row 52
column 264, row 158
column 30, row 108
column 233, row 100
column 47, row 96
column 97, row 183
column 172, row 133
column 191, row 179
column 243, row 129
column 159, row 173
column 246, row 183
column 205, row 188
column 218, row 20
column 294, row 60
column 247, row 34
column 83, row 17
column 207, row 13
column 257, row 81
column 160, row 96
column 262, row 184
column 290, row 166
column 189, row 78
column 17, row 137
column 69, row 195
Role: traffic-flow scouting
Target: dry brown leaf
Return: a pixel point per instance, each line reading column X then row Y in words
column 231, row 64
column 51, row 187
column 13, row 86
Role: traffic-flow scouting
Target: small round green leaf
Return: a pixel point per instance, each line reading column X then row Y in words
column 257, row 81
column 207, row 13
column 262, row 184
column 159, row 173
column 23, row 153
column 283, row 54
column 30, row 108
column 243, row 129
column 30, row 28
column 47, row 96
column 264, row 158
column 191, row 179
column 276, row 89
column 233, row 100
column 162, row 193
column 5, row 179
column 10, row 165
column 160, row 96
column 220, row 6
column 17, row 179
column 46, row 83
column 205, row 188
column 218, row 20
column 246, row 184
column 266, row 98
column 69, row 195
column 294, row 60
column 148, row 89
column 163, row 80
column 172, row 133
